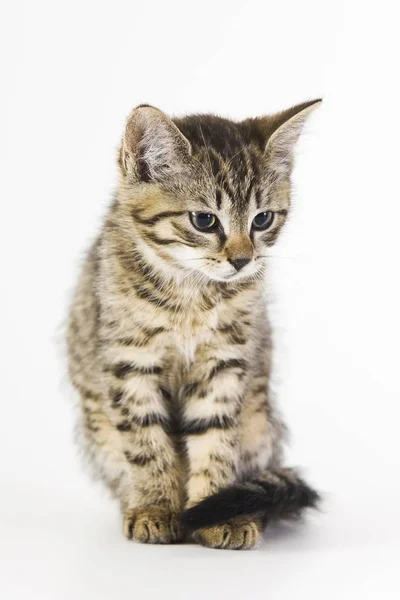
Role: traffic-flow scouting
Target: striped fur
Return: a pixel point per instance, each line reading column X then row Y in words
column 169, row 344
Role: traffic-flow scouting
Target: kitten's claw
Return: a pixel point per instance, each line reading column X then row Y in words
column 237, row 534
column 153, row 525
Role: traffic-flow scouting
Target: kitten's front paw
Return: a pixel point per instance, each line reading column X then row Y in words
column 237, row 534
column 152, row 525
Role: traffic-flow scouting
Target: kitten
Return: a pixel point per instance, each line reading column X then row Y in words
column 169, row 342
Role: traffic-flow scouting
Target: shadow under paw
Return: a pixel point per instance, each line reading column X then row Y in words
column 237, row 534
column 152, row 525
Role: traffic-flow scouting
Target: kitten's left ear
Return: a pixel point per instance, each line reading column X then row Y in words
column 284, row 130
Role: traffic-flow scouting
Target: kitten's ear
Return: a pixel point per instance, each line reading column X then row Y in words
column 153, row 147
column 283, row 130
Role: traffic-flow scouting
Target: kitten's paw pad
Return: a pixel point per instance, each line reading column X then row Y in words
column 236, row 534
column 152, row 525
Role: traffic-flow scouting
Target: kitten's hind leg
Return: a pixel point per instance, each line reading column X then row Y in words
column 261, row 432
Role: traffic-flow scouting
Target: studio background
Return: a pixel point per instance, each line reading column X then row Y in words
column 71, row 72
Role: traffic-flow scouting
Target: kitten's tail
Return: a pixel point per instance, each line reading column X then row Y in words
column 271, row 495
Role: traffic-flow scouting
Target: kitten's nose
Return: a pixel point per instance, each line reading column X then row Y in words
column 239, row 263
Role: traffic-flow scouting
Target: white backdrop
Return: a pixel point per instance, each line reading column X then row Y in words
column 71, row 71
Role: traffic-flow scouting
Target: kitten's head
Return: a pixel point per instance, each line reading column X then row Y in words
column 207, row 194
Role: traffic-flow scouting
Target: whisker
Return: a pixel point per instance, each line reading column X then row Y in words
column 276, row 256
column 199, row 258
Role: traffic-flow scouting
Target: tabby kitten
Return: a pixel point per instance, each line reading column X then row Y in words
column 169, row 342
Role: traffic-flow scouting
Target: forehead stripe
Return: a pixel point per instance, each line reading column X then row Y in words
column 249, row 190
column 158, row 217
column 218, row 197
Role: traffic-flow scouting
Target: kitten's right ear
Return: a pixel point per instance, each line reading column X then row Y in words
column 153, row 148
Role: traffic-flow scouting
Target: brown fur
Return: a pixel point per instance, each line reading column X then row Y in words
column 169, row 347
column 240, row 533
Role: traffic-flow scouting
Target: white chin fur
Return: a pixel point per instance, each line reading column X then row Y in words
column 227, row 277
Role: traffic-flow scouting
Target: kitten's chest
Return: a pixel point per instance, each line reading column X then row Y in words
column 193, row 328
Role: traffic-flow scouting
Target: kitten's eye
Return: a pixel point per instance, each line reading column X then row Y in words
column 263, row 220
column 203, row 221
